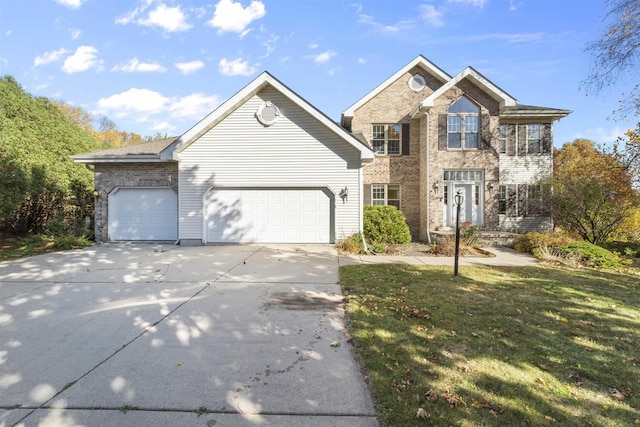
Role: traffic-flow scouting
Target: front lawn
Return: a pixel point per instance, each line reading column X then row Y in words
column 497, row 346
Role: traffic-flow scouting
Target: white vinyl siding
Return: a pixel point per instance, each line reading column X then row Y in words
column 297, row 151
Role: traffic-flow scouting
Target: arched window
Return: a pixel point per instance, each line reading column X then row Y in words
column 462, row 124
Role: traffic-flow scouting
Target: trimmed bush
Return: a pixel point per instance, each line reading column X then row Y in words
column 385, row 225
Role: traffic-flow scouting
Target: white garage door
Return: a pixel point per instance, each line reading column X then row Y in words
column 267, row 216
column 143, row 214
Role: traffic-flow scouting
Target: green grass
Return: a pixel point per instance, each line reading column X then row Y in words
column 497, row 346
column 41, row 244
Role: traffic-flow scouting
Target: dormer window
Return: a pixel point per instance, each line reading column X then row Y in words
column 463, row 124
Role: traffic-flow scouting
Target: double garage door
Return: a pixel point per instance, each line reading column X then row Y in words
column 278, row 215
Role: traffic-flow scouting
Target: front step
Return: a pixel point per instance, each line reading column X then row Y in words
column 489, row 237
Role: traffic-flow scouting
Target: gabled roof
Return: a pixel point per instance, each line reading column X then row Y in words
column 420, row 61
column 146, row 152
column 469, row 73
column 263, row 80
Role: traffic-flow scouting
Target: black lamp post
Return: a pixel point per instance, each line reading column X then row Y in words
column 457, row 200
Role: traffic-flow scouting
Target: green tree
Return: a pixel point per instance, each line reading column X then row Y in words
column 40, row 183
column 592, row 191
column 616, row 53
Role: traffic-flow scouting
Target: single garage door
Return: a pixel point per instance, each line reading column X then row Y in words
column 289, row 215
column 143, row 214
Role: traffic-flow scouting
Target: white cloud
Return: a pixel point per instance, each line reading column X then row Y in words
column 313, row 45
column 472, row 3
column 232, row 17
column 194, row 106
column 432, row 15
column 82, row 59
column 324, row 57
column 43, row 86
column 362, row 60
column 602, row 135
column 270, row 45
column 509, row 38
column 382, row 28
column 236, row 67
column 73, row 4
column 189, row 67
column 144, row 105
column 135, row 66
column 134, row 101
column 170, row 19
column 49, row 57
column 75, row 33
column 8, row 33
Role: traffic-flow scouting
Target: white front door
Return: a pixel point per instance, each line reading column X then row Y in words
column 471, row 206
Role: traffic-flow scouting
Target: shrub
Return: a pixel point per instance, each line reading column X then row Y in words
column 385, row 224
column 531, row 241
column 591, row 255
column 470, row 235
column 352, row 244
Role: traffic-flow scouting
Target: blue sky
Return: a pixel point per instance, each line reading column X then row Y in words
column 161, row 65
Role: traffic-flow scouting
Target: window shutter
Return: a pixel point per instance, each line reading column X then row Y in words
column 522, row 140
column 485, row 132
column 366, row 196
column 406, row 129
column 522, row 199
column 442, row 132
column 511, row 140
column 547, row 138
column 511, row 200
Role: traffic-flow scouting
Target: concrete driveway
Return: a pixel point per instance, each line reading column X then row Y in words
column 155, row 335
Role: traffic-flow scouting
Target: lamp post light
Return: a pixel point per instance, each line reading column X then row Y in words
column 457, row 200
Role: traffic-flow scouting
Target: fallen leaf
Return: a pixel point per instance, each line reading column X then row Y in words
column 432, row 395
column 616, row 394
column 178, row 364
column 421, row 413
column 335, row 344
column 473, row 334
column 550, row 418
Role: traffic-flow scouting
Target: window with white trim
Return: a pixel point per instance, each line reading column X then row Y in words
column 503, row 138
column 502, row 199
column 534, row 139
column 386, row 139
column 385, row 194
column 463, row 122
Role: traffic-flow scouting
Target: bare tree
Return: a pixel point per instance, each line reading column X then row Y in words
column 617, row 53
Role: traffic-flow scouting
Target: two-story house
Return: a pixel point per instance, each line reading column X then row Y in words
column 436, row 136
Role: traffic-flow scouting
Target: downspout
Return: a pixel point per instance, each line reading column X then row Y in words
column 428, row 116
column 364, row 242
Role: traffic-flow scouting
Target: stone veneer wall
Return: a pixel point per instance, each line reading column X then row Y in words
column 109, row 176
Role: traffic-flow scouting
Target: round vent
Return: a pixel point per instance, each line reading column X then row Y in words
column 417, row 83
column 268, row 113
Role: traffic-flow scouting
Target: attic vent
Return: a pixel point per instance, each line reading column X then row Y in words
column 417, row 83
column 268, row 113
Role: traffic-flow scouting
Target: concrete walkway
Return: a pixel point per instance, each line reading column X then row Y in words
column 502, row 257
column 157, row 335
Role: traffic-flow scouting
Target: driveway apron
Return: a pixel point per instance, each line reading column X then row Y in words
column 152, row 335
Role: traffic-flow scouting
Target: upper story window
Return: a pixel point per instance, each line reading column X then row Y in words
column 463, row 124
column 386, row 139
column 503, row 138
column 533, row 138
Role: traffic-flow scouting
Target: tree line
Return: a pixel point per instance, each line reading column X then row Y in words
column 40, row 186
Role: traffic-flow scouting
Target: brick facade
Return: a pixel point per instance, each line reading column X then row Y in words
column 394, row 105
column 110, row 176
